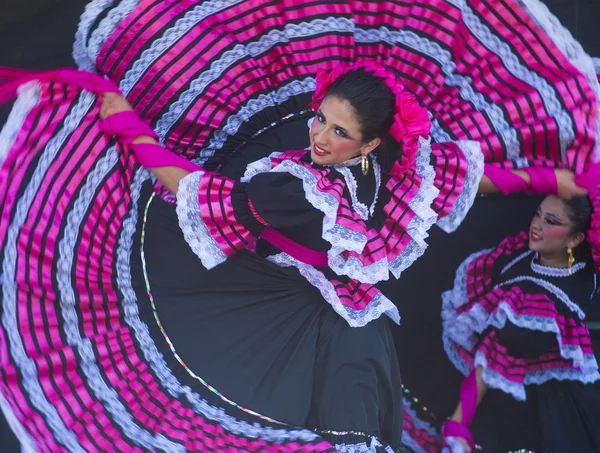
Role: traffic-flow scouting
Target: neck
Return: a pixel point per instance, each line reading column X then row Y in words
column 554, row 260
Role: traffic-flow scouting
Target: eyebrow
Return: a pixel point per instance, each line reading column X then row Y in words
column 320, row 112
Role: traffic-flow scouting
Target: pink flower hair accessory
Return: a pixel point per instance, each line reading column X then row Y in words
column 411, row 120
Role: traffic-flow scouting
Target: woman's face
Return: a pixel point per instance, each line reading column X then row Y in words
column 335, row 134
column 550, row 229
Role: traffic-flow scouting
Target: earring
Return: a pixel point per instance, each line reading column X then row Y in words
column 364, row 164
column 571, row 259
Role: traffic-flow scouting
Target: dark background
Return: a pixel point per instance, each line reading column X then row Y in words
column 38, row 34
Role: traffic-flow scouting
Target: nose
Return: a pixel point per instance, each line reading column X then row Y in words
column 320, row 136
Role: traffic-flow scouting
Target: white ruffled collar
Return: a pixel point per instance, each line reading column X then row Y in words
column 550, row 271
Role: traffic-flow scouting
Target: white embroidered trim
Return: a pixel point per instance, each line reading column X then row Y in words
column 568, row 45
column 475, row 167
column 454, row 445
column 337, row 235
column 363, row 447
column 356, row 318
column 522, row 256
column 559, row 293
column 424, row 217
column 419, row 424
column 408, row 441
column 361, row 209
column 549, row 271
column 195, row 231
column 29, row 95
column 81, row 56
column 461, row 329
column 259, row 166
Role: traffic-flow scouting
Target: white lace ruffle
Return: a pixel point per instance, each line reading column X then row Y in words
column 362, row 447
column 28, row 97
column 356, row 318
column 463, row 330
column 260, row 166
column 81, row 55
column 569, row 46
column 424, row 217
column 195, row 231
column 343, row 239
column 549, row 271
column 475, row 167
column 454, row 445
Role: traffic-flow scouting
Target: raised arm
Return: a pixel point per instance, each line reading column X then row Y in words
column 169, row 168
column 541, row 181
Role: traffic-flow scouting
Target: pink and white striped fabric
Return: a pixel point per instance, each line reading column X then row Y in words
column 79, row 368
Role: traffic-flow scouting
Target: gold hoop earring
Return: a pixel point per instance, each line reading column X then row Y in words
column 571, row 259
column 364, row 164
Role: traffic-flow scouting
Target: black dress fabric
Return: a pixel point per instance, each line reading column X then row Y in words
column 260, row 333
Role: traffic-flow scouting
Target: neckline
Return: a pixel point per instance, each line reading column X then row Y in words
column 550, row 271
column 360, row 208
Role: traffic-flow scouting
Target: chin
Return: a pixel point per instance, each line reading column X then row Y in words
column 319, row 160
column 534, row 246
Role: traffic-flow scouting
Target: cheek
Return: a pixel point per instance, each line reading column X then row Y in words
column 342, row 146
column 556, row 233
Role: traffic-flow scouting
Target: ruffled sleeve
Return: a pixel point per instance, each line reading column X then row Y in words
column 458, row 171
column 219, row 216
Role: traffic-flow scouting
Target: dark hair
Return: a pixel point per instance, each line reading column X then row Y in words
column 579, row 211
column 372, row 101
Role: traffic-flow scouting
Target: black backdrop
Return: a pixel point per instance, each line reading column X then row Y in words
column 38, row 34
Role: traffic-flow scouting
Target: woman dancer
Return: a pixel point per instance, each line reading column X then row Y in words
column 208, row 94
column 515, row 325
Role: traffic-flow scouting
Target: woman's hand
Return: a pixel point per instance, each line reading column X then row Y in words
column 113, row 103
column 565, row 183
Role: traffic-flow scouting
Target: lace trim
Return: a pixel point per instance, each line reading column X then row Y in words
column 29, row 376
column 424, row 217
column 569, row 46
column 550, row 271
column 259, row 166
column 513, row 64
column 195, row 231
column 475, row 166
column 29, row 97
column 559, row 293
column 362, row 447
column 348, row 163
column 466, row 91
column 522, row 256
column 417, row 422
column 80, row 54
column 360, row 208
column 461, row 329
column 454, row 445
column 108, row 25
column 336, row 234
column 356, row 318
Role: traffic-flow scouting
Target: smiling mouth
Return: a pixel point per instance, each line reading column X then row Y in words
column 319, row 151
column 534, row 236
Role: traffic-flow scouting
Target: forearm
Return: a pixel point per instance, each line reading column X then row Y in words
column 486, row 185
column 169, row 176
